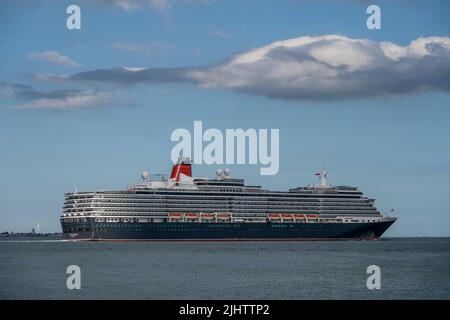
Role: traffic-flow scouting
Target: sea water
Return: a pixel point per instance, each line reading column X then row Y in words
column 410, row 268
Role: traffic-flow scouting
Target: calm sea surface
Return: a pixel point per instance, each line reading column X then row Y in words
column 411, row 268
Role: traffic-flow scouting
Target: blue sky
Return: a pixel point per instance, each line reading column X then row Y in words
column 392, row 143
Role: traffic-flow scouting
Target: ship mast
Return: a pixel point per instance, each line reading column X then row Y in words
column 323, row 178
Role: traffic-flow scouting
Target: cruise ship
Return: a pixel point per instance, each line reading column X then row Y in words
column 183, row 207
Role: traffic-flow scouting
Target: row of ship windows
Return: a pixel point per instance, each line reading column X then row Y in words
column 240, row 212
column 218, row 224
column 243, row 214
column 246, row 211
column 77, row 229
column 216, row 197
column 220, row 209
column 162, row 192
column 151, row 201
column 287, row 228
column 216, row 206
column 203, row 191
column 240, row 198
column 218, row 203
column 258, row 214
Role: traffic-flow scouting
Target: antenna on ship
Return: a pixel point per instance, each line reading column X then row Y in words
column 323, row 177
column 324, row 181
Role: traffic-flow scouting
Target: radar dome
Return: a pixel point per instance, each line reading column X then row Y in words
column 145, row 175
column 218, row 172
column 227, row 172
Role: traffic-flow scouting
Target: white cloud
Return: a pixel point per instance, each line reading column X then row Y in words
column 157, row 5
column 83, row 99
column 53, row 57
column 48, row 76
column 324, row 68
column 135, row 69
column 61, row 99
column 129, row 5
column 333, row 67
column 146, row 49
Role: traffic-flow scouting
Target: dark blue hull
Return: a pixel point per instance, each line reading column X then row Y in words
column 223, row 231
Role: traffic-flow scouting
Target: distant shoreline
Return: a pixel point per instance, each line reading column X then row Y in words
column 29, row 234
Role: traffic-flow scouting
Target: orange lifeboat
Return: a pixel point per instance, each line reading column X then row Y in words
column 191, row 216
column 175, row 216
column 224, row 216
column 287, row 216
column 273, row 217
column 312, row 216
column 207, row 216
